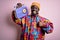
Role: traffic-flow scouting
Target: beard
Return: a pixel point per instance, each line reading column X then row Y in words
column 34, row 13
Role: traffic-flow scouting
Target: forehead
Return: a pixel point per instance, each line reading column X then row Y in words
column 34, row 6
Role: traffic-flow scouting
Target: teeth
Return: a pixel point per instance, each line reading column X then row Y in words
column 34, row 12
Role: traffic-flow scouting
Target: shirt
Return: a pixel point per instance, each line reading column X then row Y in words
column 34, row 28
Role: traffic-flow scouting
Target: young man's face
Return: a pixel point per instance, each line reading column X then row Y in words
column 34, row 10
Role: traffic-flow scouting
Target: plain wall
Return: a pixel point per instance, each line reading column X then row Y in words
column 48, row 8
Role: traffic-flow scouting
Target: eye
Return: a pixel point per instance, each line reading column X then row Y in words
column 24, row 10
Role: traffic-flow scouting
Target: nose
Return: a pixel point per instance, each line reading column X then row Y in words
column 33, row 9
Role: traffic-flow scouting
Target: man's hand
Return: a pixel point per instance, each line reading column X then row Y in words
column 43, row 23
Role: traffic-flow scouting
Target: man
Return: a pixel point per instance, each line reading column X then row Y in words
column 34, row 26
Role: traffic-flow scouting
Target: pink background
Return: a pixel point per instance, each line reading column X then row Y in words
column 49, row 9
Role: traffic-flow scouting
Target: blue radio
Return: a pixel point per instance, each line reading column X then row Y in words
column 21, row 12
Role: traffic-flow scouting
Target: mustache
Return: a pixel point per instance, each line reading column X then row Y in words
column 34, row 12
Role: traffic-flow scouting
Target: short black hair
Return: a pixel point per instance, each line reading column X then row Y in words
column 19, row 4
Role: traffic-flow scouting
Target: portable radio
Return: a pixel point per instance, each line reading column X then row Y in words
column 21, row 12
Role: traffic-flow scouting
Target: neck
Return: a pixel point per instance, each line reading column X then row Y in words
column 34, row 15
